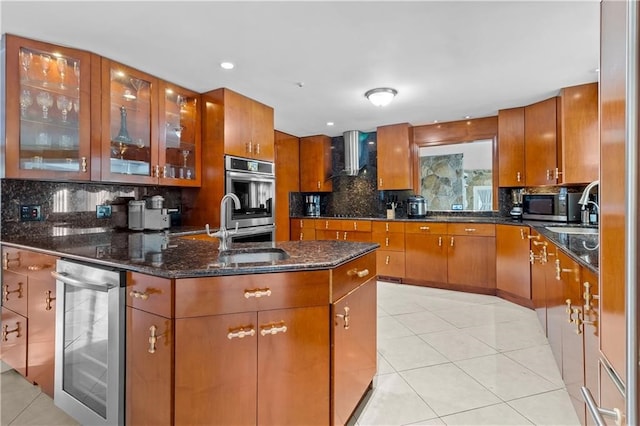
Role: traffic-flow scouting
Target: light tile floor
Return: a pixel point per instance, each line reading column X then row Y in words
column 445, row 358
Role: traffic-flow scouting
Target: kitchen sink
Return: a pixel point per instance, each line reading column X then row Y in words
column 260, row 255
column 572, row 230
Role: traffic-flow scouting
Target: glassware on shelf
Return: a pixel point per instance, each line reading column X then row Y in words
column 45, row 63
column 65, row 142
column 123, row 134
column 26, row 100
column 25, row 60
column 122, row 148
column 185, row 155
column 181, row 101
column 76, row 105
column 43, row 139
column 76, row 72
column 45, row 100
column 64, row 105
column 62, row 69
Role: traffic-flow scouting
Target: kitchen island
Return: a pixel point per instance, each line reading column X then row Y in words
column 213, row 339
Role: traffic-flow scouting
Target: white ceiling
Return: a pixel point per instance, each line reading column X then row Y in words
column 447, row 59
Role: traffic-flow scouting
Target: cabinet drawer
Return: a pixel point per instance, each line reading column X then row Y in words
column 389, row 240
column 304, row 223
column 390, row 263
column 482, row 229
column 356, row 225
column 244, row 293
column 387, row 226
column 329, row 224
column 13, row 344
column 33, row 264
column 425, row 228
column 14, row 292
column 150, row 294
column 350, row 275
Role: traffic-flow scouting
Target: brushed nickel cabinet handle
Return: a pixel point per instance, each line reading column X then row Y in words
column 451, row 241
column 424, row 228
column 386, row 261
column 363, row 273
column 469, row 229
column 139, row 294
column 386, row 242
column 241, row 333
column 518, row 177
column 153, row 339
column 6, row 332
column 439, row 241
column 7, row 292
column 257, row 293
column 345, row 317
column 83, row 164
column 597, row 412
column 273, row 328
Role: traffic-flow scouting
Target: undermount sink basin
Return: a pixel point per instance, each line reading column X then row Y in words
column 572, row 230
column 263, row 255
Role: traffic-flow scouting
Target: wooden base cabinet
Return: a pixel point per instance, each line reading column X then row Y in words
column 390, row 257
column 353, row 349
column 13, row 349
column 426, row 251
column 471, row 255
column 513, row 278
column 303, row 229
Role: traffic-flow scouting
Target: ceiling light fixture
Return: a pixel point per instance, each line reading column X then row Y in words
column 382, row 96
column 226, row 65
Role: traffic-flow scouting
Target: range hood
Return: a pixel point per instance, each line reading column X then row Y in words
column 355, row 152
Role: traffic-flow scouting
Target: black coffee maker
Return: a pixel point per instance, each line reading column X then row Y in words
column 312, row 205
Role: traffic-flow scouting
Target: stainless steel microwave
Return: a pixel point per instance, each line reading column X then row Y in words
column 561, row 207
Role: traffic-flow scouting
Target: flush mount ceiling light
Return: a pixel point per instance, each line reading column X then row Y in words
column 382, row 96
column 227, row 65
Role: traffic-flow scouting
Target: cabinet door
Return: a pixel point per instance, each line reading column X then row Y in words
column 262, row 137
column 179, row 147
column 42, row 333
column 293, row 366
column 287, row 167
column 390, row 263
column 511, row 147
column 394, row 157
column 129, row 125
column 237, row 124
column 471, row 260
column 556, row 307
column 149, row 362
column 48, row 127
column 13, row 346
column 538, row 279
column 426, row 257
column 512, row 260
column 14, row 292
column 354, row 353
column 389, row 240
column 211, row 369
column 591, row 334
column 540, row 131
column 315, row 164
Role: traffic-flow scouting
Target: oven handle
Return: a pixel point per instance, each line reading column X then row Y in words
column 252, row 176
column 65, row 278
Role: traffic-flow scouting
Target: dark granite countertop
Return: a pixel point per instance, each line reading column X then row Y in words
column 178, row 256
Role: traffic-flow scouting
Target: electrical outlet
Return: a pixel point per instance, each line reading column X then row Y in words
column 103, row 211
column 30, row 213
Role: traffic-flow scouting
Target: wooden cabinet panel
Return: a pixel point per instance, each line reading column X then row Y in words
column 149, row 369
column 427, row 228
column 579, row 135
column 302, row 229
column 389, row 240
column 287, row 169
column 149, row 293
column 476, row 229
column 315, row 164
column 591, row 336
column 379, row 226
column 390, row 263
column 262, row 136
column 356, row 225
column 42, row 333
column 471, row 260
column 610, row 395
column 293, row 366
column 538, row 278
column 512, row 260
column 556, row 307
column 426, row 256
column 353, row 349
column 540, row 130
column 13, row 347
column 349, row 276
column 15, row 292
column 394, row 157
column 215, row 376
column 329, row 224
column 243, row 293
column 511, row 164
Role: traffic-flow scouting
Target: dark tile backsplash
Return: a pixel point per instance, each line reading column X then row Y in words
column 72, row 204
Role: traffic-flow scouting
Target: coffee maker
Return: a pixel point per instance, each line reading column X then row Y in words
column 516, row 201
column 148, row 214
column 312, row 205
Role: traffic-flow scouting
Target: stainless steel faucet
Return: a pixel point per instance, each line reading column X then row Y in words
column 584, row 202
column 223, row 233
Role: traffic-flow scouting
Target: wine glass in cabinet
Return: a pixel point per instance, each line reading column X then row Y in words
column 129, row 136
column 45, row 138
column 179, row 148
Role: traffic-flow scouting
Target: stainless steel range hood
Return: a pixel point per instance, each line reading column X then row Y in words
column 352, row 153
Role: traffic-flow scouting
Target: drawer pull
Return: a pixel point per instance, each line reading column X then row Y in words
column 39, row 267
column 48, row 300
column 6, row 332
column 522, row 233
column 138, row 294
column 386, row 225
column 451, row 241
column 386, row 242
column 518, row 176
column 355, row 226
column 273, row 328
column 345, row 317
column 569, row 311
column 439, row 241
column 257, row 293
column 153, row 338
column 345, row 236
column 241, row 333
column 587, row 296
column 469, row 229
column 83, row 164
column 533, row 237
column 386, row 261
column 6, row 260
column 360, row 274
column 7, row 292
column 424, row 228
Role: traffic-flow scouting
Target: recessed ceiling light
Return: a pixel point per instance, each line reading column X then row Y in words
column 596, row 70
column 227, row 65
column 435, row 121
column 467, row 117
column 330, row 123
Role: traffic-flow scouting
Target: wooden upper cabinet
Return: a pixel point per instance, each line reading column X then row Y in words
column 511, row 163
column 248, row 125
column 315, row 164
column 540, row 135
column 179, row 148
column 579, row 133
column 48, row 118
column 129, row 125
column 394, row 157
column 287, row 165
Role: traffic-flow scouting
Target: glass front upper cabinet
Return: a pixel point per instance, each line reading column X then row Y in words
column 129, row 125
column 179, row 136
column 47, row 114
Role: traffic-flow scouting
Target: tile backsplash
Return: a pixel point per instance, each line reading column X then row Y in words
column 72, row 204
